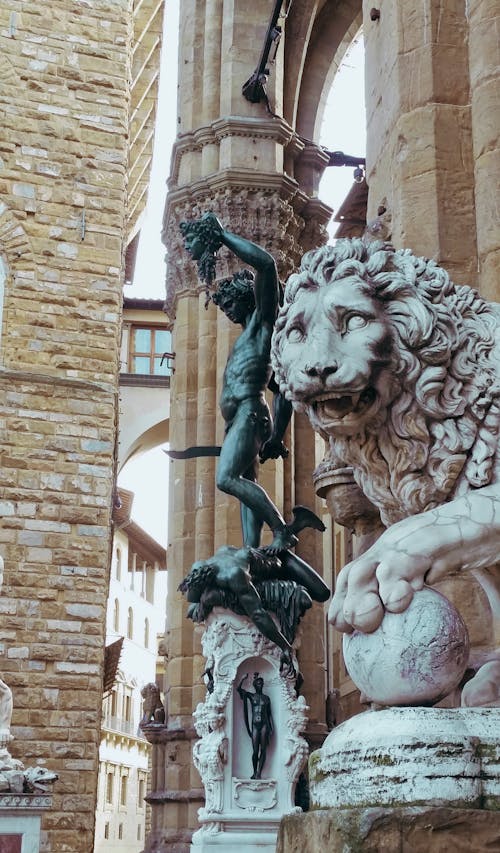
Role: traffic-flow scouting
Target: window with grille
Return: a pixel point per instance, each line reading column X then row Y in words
column 141, row 794
column 123, row 792
column 149, row 347
column 109, row 787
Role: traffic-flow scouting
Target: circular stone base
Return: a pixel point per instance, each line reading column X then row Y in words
column 410, row 756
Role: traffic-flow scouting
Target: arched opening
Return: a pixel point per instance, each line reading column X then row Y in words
column 330, row 33
column 146, row 475
column 130, row 624
column 116, row 616
column 343, row 129
column 118, row 564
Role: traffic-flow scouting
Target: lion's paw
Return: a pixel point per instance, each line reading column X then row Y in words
column 396, row 595
column 363, row 610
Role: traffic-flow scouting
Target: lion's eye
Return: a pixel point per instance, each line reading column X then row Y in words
column 355, row 321
column 295, row 334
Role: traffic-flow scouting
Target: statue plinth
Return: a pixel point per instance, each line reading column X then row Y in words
column 20, row 819
column 242, row 812
column 437, row 757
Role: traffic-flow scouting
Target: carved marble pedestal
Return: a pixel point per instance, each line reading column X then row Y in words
column 241, row 813
column 433, row 757
column 419, row 779
column 20, row 819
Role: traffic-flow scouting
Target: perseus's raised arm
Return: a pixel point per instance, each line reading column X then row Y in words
column 266, row 284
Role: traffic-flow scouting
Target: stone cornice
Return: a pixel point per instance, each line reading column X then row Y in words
column 248, row 179
column 282, row 185
column 314, row 155
column 194, row 795
column 276, row 129
column 160, row 733
column 272, row 128
column 25, row 803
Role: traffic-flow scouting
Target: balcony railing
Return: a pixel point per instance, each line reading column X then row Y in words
column 118, row 724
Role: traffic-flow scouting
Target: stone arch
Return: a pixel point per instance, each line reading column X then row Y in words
column 135, row 439
column 320, row 41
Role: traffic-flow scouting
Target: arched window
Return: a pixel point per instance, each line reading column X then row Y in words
column 118, row 564
column 116, row 615
column 146, row 633
column 130, row 624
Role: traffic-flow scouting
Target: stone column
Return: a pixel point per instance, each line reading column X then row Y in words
column 419, row 143
column 485, row 105
column 228, row 158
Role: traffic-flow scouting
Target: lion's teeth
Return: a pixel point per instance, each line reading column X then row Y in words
column 355, row 400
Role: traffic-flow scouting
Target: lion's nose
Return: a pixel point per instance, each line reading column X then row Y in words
column 321, row 371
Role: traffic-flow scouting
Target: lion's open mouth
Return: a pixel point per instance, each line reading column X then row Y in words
column 330, row 408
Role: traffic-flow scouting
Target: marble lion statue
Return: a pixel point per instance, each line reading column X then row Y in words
column 399, row 369
column 153, row 710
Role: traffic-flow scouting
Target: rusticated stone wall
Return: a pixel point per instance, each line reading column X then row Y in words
column 64, row 103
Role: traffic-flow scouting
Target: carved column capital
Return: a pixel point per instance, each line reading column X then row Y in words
column 268, row 209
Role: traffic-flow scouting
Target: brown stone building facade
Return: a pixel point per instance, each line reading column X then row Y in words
column 432, row 95
column 77, row 103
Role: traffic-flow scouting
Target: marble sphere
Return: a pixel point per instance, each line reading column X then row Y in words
column 412, row 658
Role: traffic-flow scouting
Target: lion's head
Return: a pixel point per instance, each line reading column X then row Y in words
column 394, row 364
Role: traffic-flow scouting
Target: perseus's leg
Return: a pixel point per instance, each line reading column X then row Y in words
column 238, row 456
column 251, row 524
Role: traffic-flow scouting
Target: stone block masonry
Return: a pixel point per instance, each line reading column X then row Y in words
column 64, row 104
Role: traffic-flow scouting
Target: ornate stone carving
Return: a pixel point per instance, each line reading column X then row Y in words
column 233, row 648
column 272, row 213
column 255, row 795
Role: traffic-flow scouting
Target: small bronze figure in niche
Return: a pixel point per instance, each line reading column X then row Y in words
column 261, row 727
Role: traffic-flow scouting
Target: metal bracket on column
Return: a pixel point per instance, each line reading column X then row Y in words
column 254, row 89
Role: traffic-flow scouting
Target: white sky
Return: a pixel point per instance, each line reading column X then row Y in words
column 343, row 130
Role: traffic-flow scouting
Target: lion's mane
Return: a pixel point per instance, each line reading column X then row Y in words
column 443, row 423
